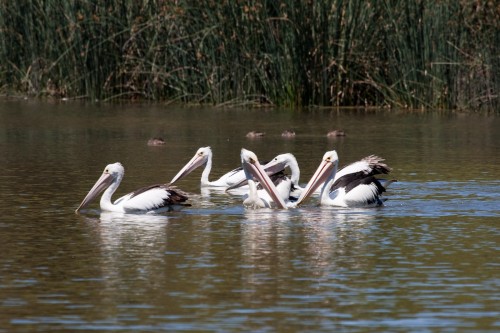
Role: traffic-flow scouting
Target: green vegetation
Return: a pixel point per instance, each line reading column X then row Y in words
column 415, row 54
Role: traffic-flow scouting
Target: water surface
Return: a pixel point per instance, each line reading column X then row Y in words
column 427, row 261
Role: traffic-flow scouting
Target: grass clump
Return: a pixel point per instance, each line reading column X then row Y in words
column 415, row 54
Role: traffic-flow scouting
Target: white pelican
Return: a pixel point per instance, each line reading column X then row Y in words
column 275, row 168
column 353, row 186
column 259, row 199
column 154, row 198
column 203, row 156
column 279, row 163
column 232, row 179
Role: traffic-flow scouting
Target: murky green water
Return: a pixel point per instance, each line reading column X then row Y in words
column 426, row 262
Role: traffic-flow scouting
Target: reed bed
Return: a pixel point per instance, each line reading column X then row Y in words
column 395, row 53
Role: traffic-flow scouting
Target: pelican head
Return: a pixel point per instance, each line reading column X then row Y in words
column 201, row 157
column 326, row 170
column 276, row 165
column 253, row 168
column 282, row 161
column 335, row 133
column 113, row 173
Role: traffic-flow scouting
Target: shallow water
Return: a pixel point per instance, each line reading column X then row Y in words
column 426, row 261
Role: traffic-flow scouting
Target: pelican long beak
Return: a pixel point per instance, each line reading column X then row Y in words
column 273, row 167
column 195, row 162
column 102, row 183
column 270, row 168
column 256, row 170
column 323, row 172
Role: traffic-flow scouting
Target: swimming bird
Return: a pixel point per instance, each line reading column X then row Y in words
column 272, row 197
column 255, row 135
column 276, row 167
column 282, row 161
column 154, row 198
column 203, row 156
column 335, row 133
column 353, row 186
column 157, row 141
column 288, row 134
column 230, row 180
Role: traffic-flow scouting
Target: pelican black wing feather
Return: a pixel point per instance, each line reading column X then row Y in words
column 176, row 196
column 376, row 165
column 352, row 180
column 238, row 169
column 276, row 178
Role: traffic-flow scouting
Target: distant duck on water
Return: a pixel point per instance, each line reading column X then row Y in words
column 335, row 133
column 255, row 135
column 156, row 141
column 288, row 134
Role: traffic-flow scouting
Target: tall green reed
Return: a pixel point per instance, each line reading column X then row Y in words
column 415, row 54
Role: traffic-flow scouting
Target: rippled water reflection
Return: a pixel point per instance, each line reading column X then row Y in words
column 427, row 261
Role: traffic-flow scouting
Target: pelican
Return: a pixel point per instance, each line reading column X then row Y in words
column 281, row 162
column 259, row 199
column 203, row 156
column 232, row 179
column 276, row 167
column 154, row 198
column 353, row 186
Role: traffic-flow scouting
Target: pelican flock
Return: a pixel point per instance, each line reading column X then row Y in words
column 235, row 178
column 154, row 198
column 355, row 185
